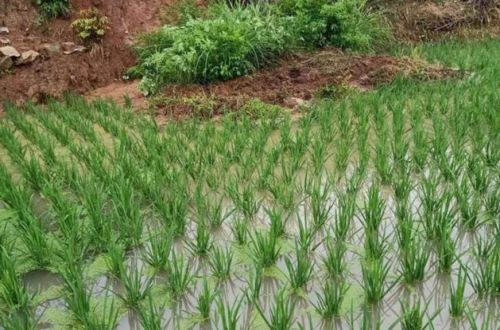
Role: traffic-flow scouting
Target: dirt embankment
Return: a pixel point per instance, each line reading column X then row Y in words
column 291, row 83
column 55, row 72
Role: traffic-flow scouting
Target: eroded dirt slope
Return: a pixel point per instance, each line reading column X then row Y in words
column 292, row 82
column 55, row 71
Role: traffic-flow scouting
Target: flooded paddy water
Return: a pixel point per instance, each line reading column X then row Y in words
column 373, row 212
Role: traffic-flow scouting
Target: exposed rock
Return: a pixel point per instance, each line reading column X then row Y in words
column 9, row 51
column 75, row 49
column 28, row 57
column 4, row 30
column 6, row 63
column 50, row 49
column 4, row 41
column 68, row 46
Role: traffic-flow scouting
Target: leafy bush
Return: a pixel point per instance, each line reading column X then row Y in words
column 234, row 39
column 236, row 42
column 53, row 8
column 90, row 25
column 341, row 23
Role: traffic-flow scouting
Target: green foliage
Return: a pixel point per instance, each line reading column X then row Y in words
column 90, row 25
column 53, row 8
column 342, row 23
column 236, row 40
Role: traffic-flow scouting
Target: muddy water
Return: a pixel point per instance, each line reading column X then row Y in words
column 433, row 292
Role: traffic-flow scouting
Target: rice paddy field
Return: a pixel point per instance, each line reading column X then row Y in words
column 379, row 210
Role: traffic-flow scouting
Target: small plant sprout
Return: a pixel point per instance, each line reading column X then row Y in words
column 282, row 312
column 254, row 285
column 205, row 300
column 157, row 249
column 179, row 277
column 457, row 294
column 202, row 242
column 278, row 221
column 334, row 261
column 264, row 247
column 374, row 276
column 136, row 288
column 220, row 262
column 412, row 316
column 301, row 273
column 229, row 314
column 345, row 212
column 151, row 316
column 373, row 210
column 240, row 231
column 330, row 301
column 414, row 257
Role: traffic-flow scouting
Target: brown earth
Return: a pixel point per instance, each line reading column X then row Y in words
column 78, row 72
column 293, row 82
column 424, row 20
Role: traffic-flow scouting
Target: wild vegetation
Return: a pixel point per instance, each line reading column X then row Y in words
column 231, row 40
column 374, row 210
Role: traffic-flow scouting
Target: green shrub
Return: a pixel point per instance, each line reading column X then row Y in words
column 53, row 8
column 90, row 25
column 341, row 23
column 236, row 42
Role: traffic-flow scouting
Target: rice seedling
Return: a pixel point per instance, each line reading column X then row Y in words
column 173, row 211
column 116, row 259
column 126, row 213
column 151, row 316
column 478, row 175
column 402, row 185
column 204, row 301
column 278, row 221
column 373, row 210
column 202, row 242
column 306, row 234
column 77, row 297
column 282, row 312
column 135, row 287
column 240, row 231
column 382, row 158
column 446, row 248
column 106, row 318
column 492, row 203
column 13, row 294
column 346, row 209
column 220, row 262
column 374, row 276
column 319, row 155
column 157, row 249
column 414, row 257
column 34, row 239
column 318, row 203
column 469, row 205
column 485, row 277
column 331, row 299
column 23, row 319
column 474, row 324
column 179, row 276
column 243, row 199
column 264, row 248
column 457, row 294
column 254, row 285
column 229, row 314
column 301, row 273
column 412, row 316
column 334, row 262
